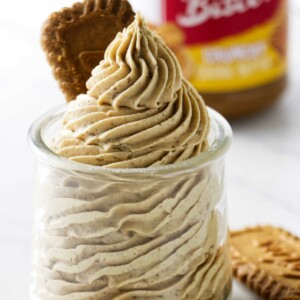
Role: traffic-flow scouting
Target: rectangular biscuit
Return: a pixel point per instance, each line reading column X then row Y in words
column 267, row 260
column 75, row 39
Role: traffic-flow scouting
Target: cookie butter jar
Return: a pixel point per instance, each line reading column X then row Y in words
column 233, row 52
column 158, row 232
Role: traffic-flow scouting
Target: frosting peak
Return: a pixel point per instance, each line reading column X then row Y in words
column 138, row 71
column 139, row 111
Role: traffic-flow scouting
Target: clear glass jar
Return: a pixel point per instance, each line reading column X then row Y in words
column 156, row 233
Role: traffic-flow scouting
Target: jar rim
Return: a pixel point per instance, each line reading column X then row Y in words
column 42, row 152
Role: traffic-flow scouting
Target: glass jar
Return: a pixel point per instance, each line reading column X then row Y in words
column 233, row 52
column 155, row 233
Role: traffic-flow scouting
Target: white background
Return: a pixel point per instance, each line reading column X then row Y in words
column 263, row 165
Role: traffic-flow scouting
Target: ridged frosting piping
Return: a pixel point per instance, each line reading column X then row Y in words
column 139, row 111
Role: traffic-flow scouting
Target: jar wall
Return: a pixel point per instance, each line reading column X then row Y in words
column 133, row 237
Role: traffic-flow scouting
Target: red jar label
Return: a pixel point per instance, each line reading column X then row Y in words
column 227, row 45
column 209, row 20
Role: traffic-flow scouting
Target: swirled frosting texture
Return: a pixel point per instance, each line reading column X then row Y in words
column 108, row 239
column 139, row 111
column 113, row 239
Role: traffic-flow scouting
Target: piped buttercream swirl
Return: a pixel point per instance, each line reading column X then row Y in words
column 105, row 238
column 139, row 111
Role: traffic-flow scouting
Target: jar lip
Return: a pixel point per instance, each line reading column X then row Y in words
column 43, row 153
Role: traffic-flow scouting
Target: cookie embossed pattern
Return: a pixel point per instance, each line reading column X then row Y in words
column 69, row 40
column 267, row 260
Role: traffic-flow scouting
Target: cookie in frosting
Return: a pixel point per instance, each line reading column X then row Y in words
column 75, row 40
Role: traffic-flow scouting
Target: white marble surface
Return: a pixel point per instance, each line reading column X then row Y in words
column 263, row 165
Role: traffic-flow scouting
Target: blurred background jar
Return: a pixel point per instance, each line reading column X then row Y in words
column 234, row 52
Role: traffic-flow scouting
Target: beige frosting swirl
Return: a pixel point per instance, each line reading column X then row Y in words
column 122, row 240
column 139, row 111
column 105, row 238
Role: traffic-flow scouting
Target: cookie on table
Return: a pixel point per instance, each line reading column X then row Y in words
column 76, row 38
column 267, row 260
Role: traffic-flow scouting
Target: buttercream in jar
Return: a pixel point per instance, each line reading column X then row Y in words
column 130, row 193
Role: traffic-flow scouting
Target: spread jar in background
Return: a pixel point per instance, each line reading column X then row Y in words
column 233, row 51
